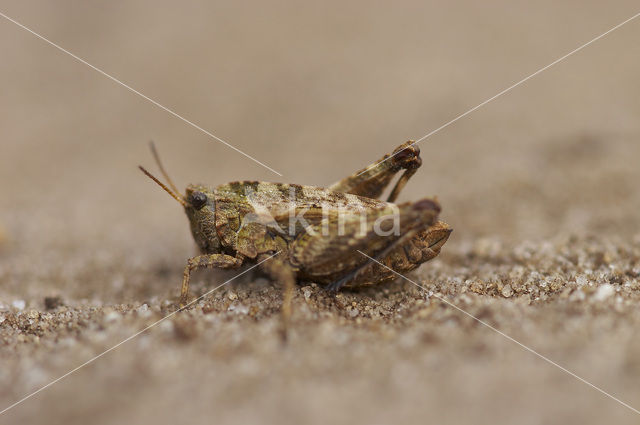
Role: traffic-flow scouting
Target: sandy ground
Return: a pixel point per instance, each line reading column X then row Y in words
column 540, row 186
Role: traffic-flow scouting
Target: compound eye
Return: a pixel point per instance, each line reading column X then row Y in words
column 197, row 200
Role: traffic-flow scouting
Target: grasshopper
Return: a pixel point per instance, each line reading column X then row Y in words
column 320, row 234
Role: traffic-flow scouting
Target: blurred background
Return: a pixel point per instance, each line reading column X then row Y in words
column 315, row 90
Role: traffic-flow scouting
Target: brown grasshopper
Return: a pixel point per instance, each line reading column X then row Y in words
column 320, row 234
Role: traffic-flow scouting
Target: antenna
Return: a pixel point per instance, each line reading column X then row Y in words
column 162, row 170
column 162, row 185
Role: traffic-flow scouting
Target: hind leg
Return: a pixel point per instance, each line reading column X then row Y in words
column 372, row 180
column 336, row 255
column 403, row 256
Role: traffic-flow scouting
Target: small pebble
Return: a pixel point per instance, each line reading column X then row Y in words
column 239, row 308
column 507, row 291
column 603, row 292
column 306, row 291
column 582, row 280
column 143, row 310
column 19, row 304
column 51, row 303
column 112, row 316
column 166, row 326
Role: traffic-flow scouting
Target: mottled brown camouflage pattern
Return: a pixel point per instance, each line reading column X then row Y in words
column 247, row 221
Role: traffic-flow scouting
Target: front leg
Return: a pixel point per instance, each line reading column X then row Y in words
column 221, row 261
column 372, row 181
